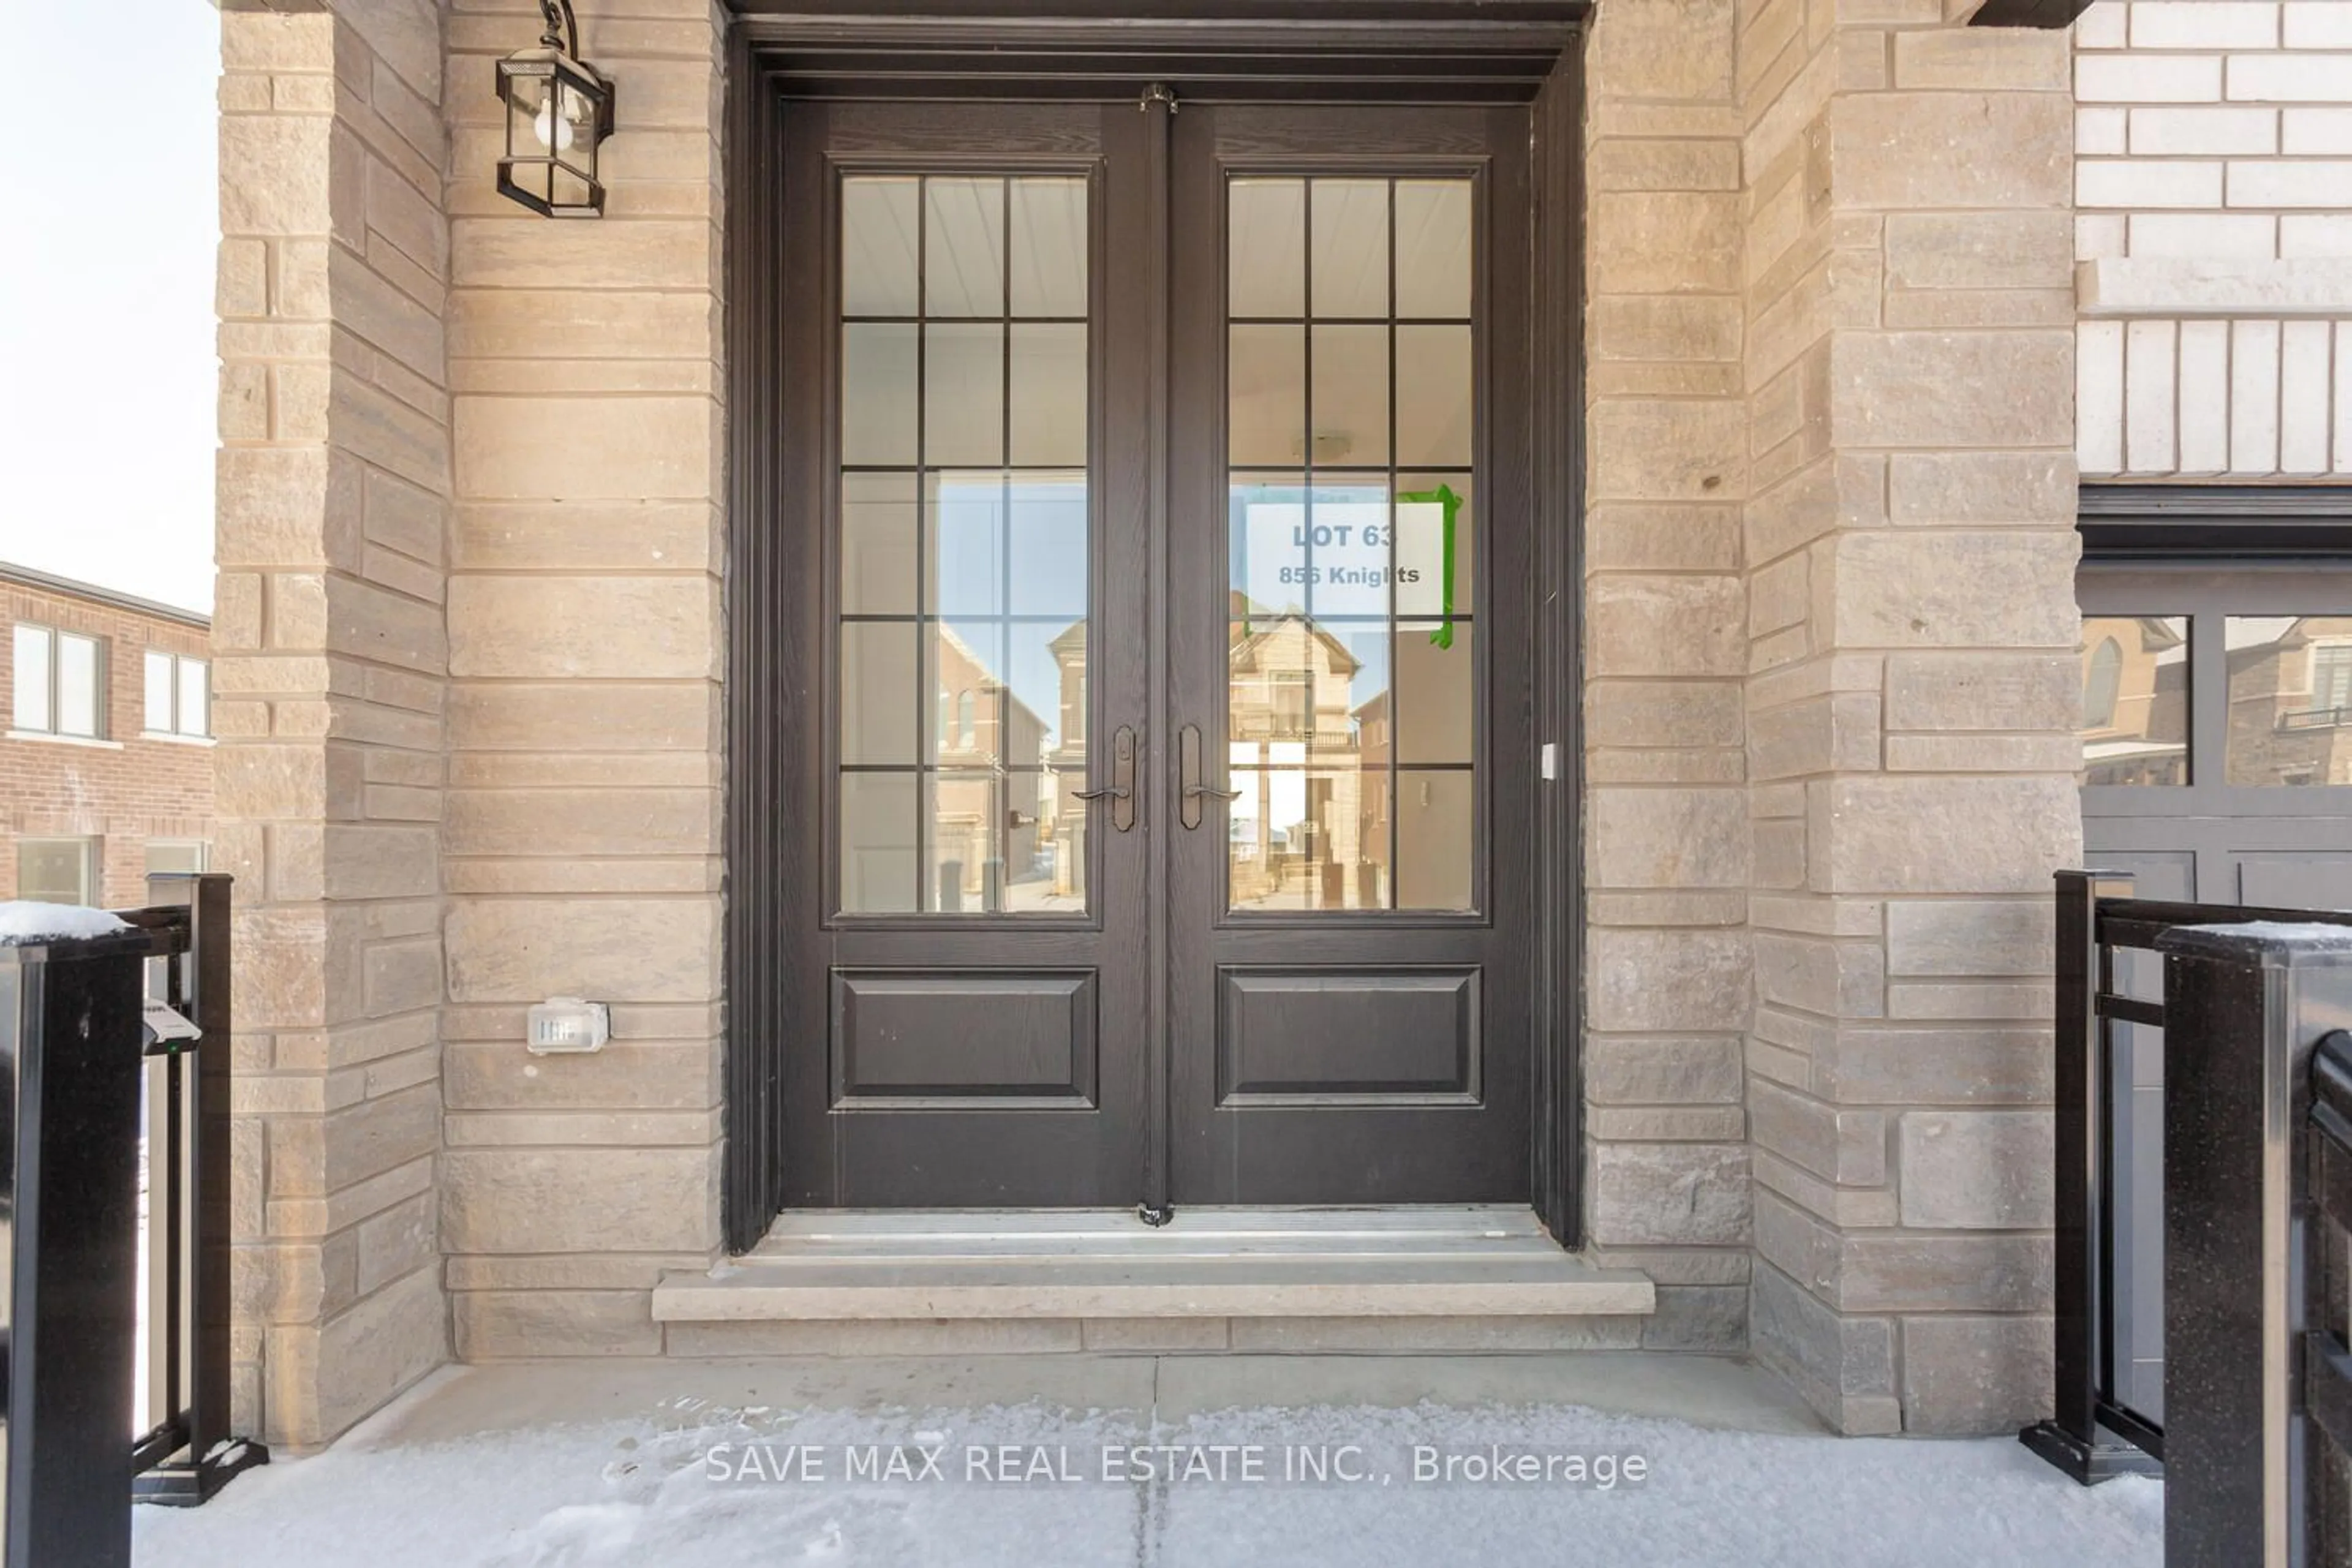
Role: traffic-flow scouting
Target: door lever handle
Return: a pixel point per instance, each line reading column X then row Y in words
column 1120, row 791
column 1191, row 791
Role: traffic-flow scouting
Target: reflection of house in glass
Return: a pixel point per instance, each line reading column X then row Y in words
column 1312, row 803
column 1064, row 829
column 2290, row 699
column 989, row 797
column 2135, row 700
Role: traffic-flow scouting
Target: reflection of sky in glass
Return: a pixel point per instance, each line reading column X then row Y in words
column 2250, row 631
column 1049, row 554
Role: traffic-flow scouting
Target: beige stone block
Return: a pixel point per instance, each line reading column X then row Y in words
column 1662, row 714
column 1936, row 309
column 1849, row 1208
column 1779, row 849
column 575, row 1271
column 1665, row 327
column 377, row 861
column 619, row 537
column 1665, row 1123
column 623, row 627
column 1670, row 908
column 1668, row 839
column 1950, row 1272
column 1678, row 1265
column 1969, row 937
column 1984, row 753
column 1650, row 1070
column 1975, row 1170
column 1709, row 1319
column 1930, row 389
column 1982, row 487
column 1626, row 536
column 1668, row 1193
column 284, row 506
column 578, row 1200
column 1668, row 981
column 241, row 279
column 323, row 1379
column 626, row 1075
column 1987, row 691
column 1617, row 163
column 1980, row 251
column 643, row 950
column 520, row 253
column 274, row 174
column 505, row 1325
column 401, row 976
column 1838, row 979
column 1660, row 450
column 1951, row 588
column 1924, row 833
column 582, row 822
column 1846, row 1147
column 1846, row 490
column 1946, row 150
column 1663, row 49
column 1976, row 1376
column 1844, row 1367
column 612, row 448
column 638, row 716
column 1983, row 1065
column 1835, row 729
column 1994, row 59
column 633, row 1129
column 401, row 1240
column 1665, row 625
column 1663, row 242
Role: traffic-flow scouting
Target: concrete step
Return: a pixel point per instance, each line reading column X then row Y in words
column 1435, row 1262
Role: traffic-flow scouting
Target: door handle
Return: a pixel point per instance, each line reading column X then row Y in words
column 1120, row 791
column 1192, row 790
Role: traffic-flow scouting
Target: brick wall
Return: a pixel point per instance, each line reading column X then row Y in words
column 122, row 792
column 2214, row 182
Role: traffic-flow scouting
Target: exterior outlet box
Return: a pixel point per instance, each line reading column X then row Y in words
column 563, row 1024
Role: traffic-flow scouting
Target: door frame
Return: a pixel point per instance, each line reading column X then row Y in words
column 1327, row 50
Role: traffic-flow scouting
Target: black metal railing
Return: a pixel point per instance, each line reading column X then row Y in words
column 100, row 1034
column 184, row 1451
column 2248, row 1171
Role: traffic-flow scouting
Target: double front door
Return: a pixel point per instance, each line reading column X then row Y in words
column 1158, row 499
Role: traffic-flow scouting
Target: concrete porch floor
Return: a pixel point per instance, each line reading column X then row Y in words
column 601, row 1464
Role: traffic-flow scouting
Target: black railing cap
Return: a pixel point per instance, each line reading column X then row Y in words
column 2272, row 945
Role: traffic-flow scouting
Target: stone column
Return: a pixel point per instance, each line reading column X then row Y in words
column 1911, row 703
column 587, row 751
column 330, row 661
column 1666, row 833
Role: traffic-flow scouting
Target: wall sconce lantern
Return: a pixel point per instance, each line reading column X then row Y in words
column 559, row 111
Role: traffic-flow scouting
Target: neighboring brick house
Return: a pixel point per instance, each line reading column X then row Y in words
column 593, row 604
column 106, row 767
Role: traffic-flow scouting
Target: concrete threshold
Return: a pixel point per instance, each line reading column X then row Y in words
column 1462, row 1261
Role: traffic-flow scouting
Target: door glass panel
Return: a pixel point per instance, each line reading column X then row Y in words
column 1432, row 249
column 1266, row 419
column 2135, row 700
column 964, row 545
column 1351, row 718
column 2290, row 699
column 1265, row 237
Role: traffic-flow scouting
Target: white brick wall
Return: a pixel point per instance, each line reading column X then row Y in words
column 2213, row 187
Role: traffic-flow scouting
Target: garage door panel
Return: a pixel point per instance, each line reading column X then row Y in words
column 2295, row 881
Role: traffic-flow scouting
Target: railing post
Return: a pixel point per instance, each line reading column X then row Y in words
column 214, row 1454
column 2072, row 1439
column 69, row 1067
column 2244, row 1005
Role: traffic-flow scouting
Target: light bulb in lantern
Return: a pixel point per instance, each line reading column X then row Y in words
column 555, row 132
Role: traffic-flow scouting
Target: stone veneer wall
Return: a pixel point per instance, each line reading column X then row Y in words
column 1908, row 550
column 330, row 668
column 583, row 848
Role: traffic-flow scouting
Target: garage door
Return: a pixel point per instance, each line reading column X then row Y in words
column 2217, row 767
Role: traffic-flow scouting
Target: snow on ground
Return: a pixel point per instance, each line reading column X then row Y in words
column 23, row 921
column 697, row 1485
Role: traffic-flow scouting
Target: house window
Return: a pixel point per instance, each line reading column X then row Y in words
column 57, row 870
column 178, row 698
column 2331, row 676
column 175, row 855
column 60, row 683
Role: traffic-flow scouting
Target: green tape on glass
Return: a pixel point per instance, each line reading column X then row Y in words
column 1442, row 497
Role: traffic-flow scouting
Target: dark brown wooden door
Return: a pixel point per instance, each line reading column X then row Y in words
column 1159, row 520
column 1352, row 685
column 964, row 385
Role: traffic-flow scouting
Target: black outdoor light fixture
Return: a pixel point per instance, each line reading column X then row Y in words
column 559, row 111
